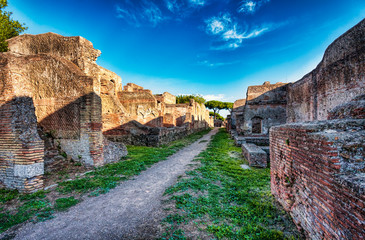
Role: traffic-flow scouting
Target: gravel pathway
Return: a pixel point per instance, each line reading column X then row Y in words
column 129, row 211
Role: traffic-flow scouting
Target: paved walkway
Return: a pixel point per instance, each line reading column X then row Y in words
column 122, row 212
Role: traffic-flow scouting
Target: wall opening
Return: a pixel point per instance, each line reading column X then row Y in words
column 256, row 125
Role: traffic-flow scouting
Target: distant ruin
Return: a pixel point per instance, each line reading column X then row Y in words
column 51, row 87
column 317, row 140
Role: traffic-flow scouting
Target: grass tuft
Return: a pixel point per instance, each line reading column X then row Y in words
column 63, row 204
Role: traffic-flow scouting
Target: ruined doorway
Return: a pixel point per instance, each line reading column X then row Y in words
column 256, row 125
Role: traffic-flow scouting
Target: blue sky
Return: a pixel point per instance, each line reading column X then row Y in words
column 215, row 48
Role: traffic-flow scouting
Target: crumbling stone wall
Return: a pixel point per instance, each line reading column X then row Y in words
column 265, row 107
column 21, row 149
column 179, row 120
column 236, row 118
column 338, row 78
column 141, row 105
column 317, row 167
column 317, row 174
column 166, row 98
column 60, row 78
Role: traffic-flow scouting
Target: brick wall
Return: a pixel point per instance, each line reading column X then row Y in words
column 317, row 174
column 265, row 102
column 337, row 79
column 21, row 149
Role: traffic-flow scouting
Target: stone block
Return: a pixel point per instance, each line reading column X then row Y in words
column 28, row 171
column 255, row 155
column 238, row 140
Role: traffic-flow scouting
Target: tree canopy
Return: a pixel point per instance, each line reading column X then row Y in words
column 228, row 106
column 8, row 27
column 218, row 116
column 215, row 106
column 186, row 98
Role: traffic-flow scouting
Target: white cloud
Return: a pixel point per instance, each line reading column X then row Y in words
column 216, row 64
column 218, row 97
column 230, row 35
column 251, row 6
column 145, row 12
column 184, row 8
column 247, row 7
column 197, row 2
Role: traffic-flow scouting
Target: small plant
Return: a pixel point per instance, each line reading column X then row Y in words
column 63, row 154
column 65, row 203
column 51, row 134
column 37, row 195
column 287, row 141
column 8, row 195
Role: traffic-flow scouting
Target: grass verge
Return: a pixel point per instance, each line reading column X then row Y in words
column 17, row 208
column 220, row 200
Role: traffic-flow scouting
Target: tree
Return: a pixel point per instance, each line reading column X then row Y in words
column 215, row 106
column 228, row 106
column 218, row 116
column 186, row 98
column 8, row 27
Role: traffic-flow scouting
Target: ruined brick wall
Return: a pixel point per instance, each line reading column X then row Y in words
column 317, row 174
column 175, row 114
column 141, row 105
column 236, row 118
column 61, row 83
column 338, row 78
column 317, row 167
column 65, row 104
column 166, row 98
column 80, row 52
column 21, row 148
column 265, row 107
column 179, row 120
column 77, row 50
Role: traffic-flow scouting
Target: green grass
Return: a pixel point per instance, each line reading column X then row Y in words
column 63, row 204
column 225, row 200
column 37, row 207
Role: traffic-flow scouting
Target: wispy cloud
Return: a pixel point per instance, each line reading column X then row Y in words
column 229, row 33
column 216, row 64
column 153, row 12
column 197, row 2
column 184, row 8
column 137, row 14
column 251, row 6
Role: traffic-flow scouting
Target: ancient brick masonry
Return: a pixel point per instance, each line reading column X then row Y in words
column 153, row 120
column 52, row 83
column 317, row 167
column 251, row 119
column 317, row 174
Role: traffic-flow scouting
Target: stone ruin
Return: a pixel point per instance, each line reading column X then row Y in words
column 54, row 96
column 252, row 117
column 153, row 120
column 317, row 144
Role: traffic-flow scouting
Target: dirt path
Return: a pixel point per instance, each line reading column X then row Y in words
column 129, row 211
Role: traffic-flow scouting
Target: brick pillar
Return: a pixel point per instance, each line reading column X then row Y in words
column 21, row 148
